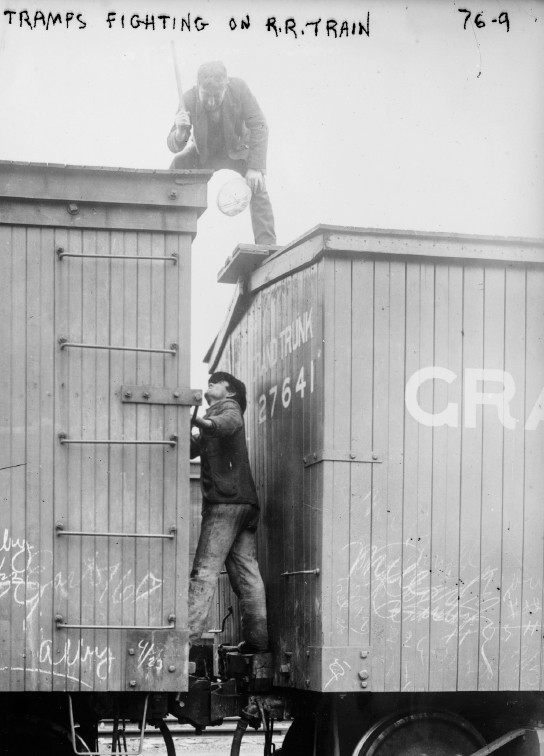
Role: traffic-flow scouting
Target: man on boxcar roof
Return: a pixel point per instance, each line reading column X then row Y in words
column 228, row 130
column 230, row 513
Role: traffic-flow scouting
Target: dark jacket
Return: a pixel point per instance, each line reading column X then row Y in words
column 225, row 475
column 244, row 126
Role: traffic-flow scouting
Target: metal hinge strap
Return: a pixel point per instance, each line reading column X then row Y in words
column 339, row 455
column 160, row 395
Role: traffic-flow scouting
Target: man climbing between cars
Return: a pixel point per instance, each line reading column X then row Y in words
column 230, row 514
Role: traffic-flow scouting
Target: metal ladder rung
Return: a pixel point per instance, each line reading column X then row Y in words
column 64, row 440
column 59, row 527
column 170, row 258
column 65, row 343
column 61, row 624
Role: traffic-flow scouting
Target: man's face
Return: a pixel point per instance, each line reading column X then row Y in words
column 217, row 391
column 211, row 98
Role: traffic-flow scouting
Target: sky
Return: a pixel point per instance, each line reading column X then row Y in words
column 430, row 122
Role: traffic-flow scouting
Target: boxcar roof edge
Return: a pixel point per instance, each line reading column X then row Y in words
column 306, row 249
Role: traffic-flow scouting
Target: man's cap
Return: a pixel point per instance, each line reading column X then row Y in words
column 236, row 385
column 234, row 196
column 212, row 76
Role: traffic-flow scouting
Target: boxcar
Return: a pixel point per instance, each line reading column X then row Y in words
column 94, row 455
column 396, row 427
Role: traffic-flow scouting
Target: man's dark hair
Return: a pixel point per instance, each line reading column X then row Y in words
column 235, row 386
column 212, row 76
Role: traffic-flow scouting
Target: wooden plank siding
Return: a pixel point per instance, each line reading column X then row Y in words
column 431, row 556
column 48, row 390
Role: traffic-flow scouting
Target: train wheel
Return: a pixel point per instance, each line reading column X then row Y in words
column 27, row 735
column 420, row 733
column 299, row 740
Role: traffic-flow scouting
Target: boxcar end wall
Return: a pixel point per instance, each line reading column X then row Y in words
column 94, row 407
column 396, row 426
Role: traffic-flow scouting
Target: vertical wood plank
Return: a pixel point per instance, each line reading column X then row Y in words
column 130, row 430
column 23, row 603
column 533, row 515
column 47, row 446
column 471, row 486
column 393, row 472
column 380, row 439
column 143, row 429
column 446, row 481
column 8, row 504
column 33, row 472
column 181, row 453
column 513, row 479
column 91, row 455
column 327, row 493
column 492, row 493
column 412, row 448
column 174, row 280
column 102, row 462
column 362, row 369
column 62, row 605
column 118, row 520
column 341, row 439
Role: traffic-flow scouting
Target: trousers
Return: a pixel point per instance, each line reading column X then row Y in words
column 228, row 537
column 260, row 207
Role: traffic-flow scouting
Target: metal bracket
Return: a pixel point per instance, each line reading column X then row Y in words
column 337, row 455
column 156, row 660
column 339, row 669
column 315, row 572
column 159, row 395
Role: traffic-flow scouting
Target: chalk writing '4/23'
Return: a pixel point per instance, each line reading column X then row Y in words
column 480, row 23
column 286, row 392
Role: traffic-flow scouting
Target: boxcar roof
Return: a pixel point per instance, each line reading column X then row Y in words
column 261, row 270
column 79, row 183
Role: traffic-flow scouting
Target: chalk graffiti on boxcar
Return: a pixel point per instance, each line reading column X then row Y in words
column 400, row 593
column 22, row 569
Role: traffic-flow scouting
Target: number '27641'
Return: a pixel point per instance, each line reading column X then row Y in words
column 286, row 394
